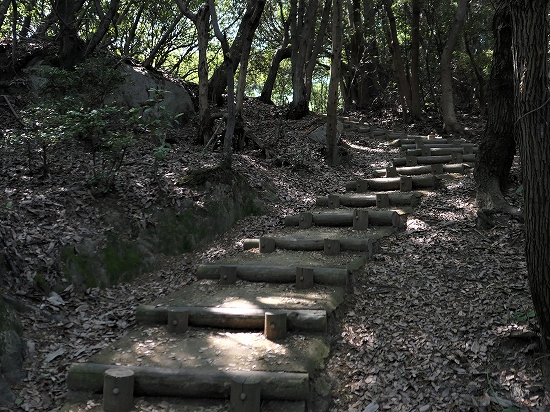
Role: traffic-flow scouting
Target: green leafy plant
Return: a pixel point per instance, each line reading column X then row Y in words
column 524, row 316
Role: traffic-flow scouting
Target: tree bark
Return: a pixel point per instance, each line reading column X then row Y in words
column 399, row 68
column 162, row 41
column 498, row 146
column 303, row 18
column 228, row 63
column 532, row 109
column 132, row 32
column 4, row 7
column 479, row 77
column 69, row 48
column 103, row 27
column 315, row 48
column 450, row 123
column 332, row 103
column 416, row 105
column 247, row 27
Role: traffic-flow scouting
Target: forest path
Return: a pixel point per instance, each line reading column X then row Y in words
column 296, row 277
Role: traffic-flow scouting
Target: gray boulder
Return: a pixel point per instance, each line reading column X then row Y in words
column 136, row 91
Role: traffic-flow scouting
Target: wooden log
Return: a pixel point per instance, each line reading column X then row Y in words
column 118, row 390
column 308, row 320
column 368, row 200
column 423, row 169
column 276, row 274
column 267, row 244
column 345, row 218
column 412, row 139
column 360, row 219
column 305, row 220
column 394, row 183
column 426, row 160
column 382, row 200
column 245, row 394
column 333, row 201
column 190, row 382
column 435, row 144
column 391, row 171
column 434, row 151
column 405, row 183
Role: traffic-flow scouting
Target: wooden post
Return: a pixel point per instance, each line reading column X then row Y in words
column 275, row 325
column 362, row 186
column 382, row 200
column 391, row 171
column 267, row 245
column 456, row 157
column 437, row 168
column 178, row 320
column 411, row 160
column 360, row 219
column 304, row 278
column 306, row 220
column 331, row 247
column 245, row 394
column 118, row 390
column 406, row 184
column 228, row 275
column 333, row 201
column 425, row 150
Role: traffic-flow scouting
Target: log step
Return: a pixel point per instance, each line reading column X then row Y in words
column 190, row 382
column 414, row 139
column 367, row 200
column 428, row 160
column 307, row 320
column 428, row 143
column 274, row 274
column 423, row 169
column 368, row 245
column 394, row 183
column 346, row 218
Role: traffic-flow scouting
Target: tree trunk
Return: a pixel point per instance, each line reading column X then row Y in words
column 479, row 77
column 532, row 109
column 450, row 123
column 4, row 7
column 498, row 146
column 278, row 57
column 103, row 27
column 303, row 18
column 132, row 32
column 399, row 68
column 247, row 27
column 332, row 103
column 162, row 41
column 69, row 50
column 228, row 63
column 315, row 48
column 416, row 105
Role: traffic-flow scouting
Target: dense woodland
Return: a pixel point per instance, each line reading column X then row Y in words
column 418, row 59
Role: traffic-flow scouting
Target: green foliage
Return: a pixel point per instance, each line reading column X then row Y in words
column 524, row 316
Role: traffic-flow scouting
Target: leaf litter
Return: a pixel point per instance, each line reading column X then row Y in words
column 439, row 320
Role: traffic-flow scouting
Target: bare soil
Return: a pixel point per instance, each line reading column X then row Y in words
column 440, row 320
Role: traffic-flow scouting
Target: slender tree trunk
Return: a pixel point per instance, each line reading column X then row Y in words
column 201, row 20
column 399, row 68
column 249, row 24
column 267, row 89
column 303, row 17
column 162, row 41
column 103, row 27
column 69, row 49
column 479, row 77
column 230, row 129
column 4, row 7
column 132, row 32
column 450, row 123
column 498, row 146
column 416, row 105
column 332, row 103
column 315, row 48
column 532, row 108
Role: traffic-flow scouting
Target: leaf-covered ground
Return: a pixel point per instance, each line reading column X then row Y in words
column 440, row 320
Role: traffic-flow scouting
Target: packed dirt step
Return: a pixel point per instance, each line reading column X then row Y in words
column 261, row 317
